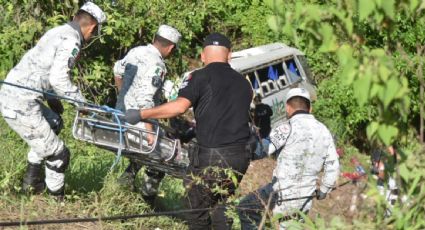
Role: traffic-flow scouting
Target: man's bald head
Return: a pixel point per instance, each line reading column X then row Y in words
column 216, row 49
column 215, row 54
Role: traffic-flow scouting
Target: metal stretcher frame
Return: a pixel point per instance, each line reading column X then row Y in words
column 100, row 128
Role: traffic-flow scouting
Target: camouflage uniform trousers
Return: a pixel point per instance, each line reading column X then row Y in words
column 35, row 124
column 151, row 179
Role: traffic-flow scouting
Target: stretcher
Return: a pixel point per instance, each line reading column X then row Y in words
column 105, row 129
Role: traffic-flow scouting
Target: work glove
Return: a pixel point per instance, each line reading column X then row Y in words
column 55, row 105
column 132, row 116
column 320, row 195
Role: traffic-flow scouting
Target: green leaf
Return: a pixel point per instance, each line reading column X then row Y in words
column 275, row 23
column 371, row 129
column 366, row 7
column 387, row 133
column 378, row 52
column 345, row 54
column 384, row 72
column 413, row 5
column 404, row 172
column 347, row 21
column 328, row 38
column 404, row 91
column 388, row 7
column 414, row 184
column 391, row 90
column 361, row 88
column 275, row 5
column 376, row 88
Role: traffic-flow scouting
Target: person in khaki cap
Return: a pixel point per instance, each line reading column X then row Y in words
column 139, row 77
column 46, row 67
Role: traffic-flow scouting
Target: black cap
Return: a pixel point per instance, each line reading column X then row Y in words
column 217, row 39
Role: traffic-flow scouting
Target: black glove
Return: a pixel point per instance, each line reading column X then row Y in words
column 132, row 116
column 320, row 195
column 55, row 105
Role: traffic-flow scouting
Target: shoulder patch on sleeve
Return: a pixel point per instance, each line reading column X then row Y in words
column 186, row 80
column 158, row 77
column 74, row 56
column 280, row 134
column 74, row 52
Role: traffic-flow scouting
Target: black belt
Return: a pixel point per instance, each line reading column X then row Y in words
column 240, row 147
column 197, row 150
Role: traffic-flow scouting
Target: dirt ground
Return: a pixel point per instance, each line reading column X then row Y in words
column 343, row 201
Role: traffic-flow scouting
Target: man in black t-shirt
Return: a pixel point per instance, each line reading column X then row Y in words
column 262, row 115
column 220, row 97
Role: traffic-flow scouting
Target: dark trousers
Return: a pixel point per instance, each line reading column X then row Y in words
column 209, row 167
column 251, row 207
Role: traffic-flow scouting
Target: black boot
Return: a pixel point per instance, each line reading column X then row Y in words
column 33, row 182
column 128, row 178
column 58, row 195
column 150, row 200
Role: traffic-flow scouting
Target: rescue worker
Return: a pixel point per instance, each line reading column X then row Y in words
column 139, row 77
column 46, row 67
column 305, row 147
column 221, row 99
column 262, row 115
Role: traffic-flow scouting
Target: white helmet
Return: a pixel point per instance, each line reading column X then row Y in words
column 169, row 33
column 96, row 12
column 297, row 92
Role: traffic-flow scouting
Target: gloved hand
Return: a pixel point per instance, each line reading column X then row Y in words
column 320, row 195
column 55, row 105
column 132, row 116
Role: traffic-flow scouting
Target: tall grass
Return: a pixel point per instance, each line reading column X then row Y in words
column 91, row 189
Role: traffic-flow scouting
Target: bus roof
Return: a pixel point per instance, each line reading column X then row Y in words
column 261, row 55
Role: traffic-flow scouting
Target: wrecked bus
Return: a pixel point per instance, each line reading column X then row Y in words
column 272, row 70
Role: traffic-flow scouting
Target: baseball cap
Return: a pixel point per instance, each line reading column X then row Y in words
column 217, row 39
column 298, row 92
column 169, row 33
column 96, row 12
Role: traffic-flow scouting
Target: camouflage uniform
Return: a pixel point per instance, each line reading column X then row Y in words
column 142, row 71
column 306, row 148
column 45, row 67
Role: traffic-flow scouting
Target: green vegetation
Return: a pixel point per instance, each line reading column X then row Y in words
column 366, row 55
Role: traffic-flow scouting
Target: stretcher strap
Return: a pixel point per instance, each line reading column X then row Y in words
column 116, row 113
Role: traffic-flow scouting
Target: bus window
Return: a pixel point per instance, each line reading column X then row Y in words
column 292, row 70
column 254, row 83
column 269, row 77
column 253, row 80
column 263, row 74
column 265, row 88
column 277, row 70
column 276, row 73
column 306, row 68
